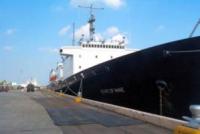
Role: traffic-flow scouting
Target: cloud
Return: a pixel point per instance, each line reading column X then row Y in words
column 10, row 31
column 160, row 28
column 115, row 4
column 82, row 2
column 7, row 48
column 82, row 30
column 112, row 31
column 115, row 34
column 63, row 31
column 48, row 50
column 118, row 37
column 98, row 37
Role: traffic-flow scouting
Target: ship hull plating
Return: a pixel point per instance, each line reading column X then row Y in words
column 163, row 80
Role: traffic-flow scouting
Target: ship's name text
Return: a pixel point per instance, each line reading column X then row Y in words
column 112, row 90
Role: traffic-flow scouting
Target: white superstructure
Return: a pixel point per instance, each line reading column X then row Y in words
column 88, row 54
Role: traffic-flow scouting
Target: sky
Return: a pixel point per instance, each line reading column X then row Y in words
column 32, row 31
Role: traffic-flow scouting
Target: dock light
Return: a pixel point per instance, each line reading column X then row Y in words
column 193, row 126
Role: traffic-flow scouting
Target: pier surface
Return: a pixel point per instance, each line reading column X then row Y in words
column 44, row 112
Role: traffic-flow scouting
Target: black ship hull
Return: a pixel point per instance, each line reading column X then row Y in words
column 163, row 80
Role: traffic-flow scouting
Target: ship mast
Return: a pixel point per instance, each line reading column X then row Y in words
column 73, row 39
column 91, row 20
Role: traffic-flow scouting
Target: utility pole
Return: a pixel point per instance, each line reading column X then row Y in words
column 194, row 29
column 91, row 19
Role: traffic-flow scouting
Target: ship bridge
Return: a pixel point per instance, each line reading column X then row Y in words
column 102, row 44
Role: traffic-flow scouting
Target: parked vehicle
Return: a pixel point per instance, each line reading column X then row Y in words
column 30, row 87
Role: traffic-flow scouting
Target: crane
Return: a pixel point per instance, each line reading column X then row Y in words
column 194, row 29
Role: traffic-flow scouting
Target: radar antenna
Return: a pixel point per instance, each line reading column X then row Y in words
column 194, row 29
column 91, row 19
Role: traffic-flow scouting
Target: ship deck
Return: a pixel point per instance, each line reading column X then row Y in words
column 44, row 112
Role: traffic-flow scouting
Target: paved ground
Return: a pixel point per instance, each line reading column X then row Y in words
column 45, row 112
column 19, row 114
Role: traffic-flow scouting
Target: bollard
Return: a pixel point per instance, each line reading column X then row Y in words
column 78, row 98
column 193, row 126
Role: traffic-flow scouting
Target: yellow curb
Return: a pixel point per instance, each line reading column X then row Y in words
column 186, row 130
column 77, row 99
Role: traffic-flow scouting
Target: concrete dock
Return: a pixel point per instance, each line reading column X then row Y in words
column 44, row 112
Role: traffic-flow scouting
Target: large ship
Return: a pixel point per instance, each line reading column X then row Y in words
column 162, row 80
